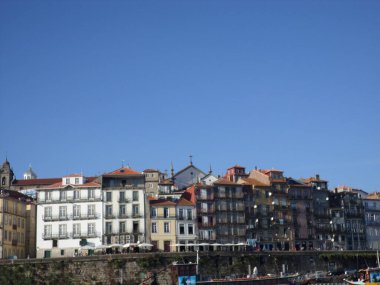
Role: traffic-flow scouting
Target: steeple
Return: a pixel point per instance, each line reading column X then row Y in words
column 30, row 174
column 6, row 174
column 210, row 170
column 171, row 169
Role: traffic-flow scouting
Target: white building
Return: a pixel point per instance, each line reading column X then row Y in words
column 69, row 214
column 186, row 225
column 124, row 206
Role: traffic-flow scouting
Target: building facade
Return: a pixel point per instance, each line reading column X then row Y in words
column 124, row 206
column 69, row 215
column 372, row 220
column 17, row 217
column 163, row 225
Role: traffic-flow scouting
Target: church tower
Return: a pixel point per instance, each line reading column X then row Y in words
column 6, row 175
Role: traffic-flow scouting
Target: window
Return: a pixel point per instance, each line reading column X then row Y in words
column 67, row 181
column 135, row 210
column 76, row 195
column 108, row 211
column 180, row 214
column 48, row 196
column 62, row 212
column 91, row 194
column 76, row 180
column 122, row 211
column 62, row 252
column 154, row 228
column 108, row 196
column 166, row 228
column 190, row 229
column 153, row 212
column 108, row 227
column 122, row 197
column 76, row 230
column 122, row 227
column 91, row 210
column 135, row 195
column 166, row 212
column 62, row 195
column 76, row 211
column 189, row 214
column 47, row 212
column 91, row 229
column 181, row 229
column 63, row 230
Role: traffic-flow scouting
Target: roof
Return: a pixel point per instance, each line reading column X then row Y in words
column 187, row 167
column 251, row 181
column 37, row 181
column 162, row 202
column 312, row 179
column 223, row 181
column 189, row 194
column 59, row 185
column 122, row 171
column 185, row 202
column 166, row 182
column 149, row 170
column 266, row 171
column 236, row 166
column 4, row 193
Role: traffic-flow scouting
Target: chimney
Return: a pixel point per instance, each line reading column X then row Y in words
column 317, row 176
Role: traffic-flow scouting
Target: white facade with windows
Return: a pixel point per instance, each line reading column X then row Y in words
column 124, row 207
column 69, row 213
column 186, row 225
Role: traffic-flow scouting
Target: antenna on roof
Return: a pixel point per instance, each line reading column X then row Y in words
column 191, row 159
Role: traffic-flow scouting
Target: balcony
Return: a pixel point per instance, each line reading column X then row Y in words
column 124, row 200
column 123, row 216
column 207, row 210
column 87, row 217
column 54, row 218
column 69, row 200
column 86, row 235
column 136, row 215
column 14, row 242
column 55, row 236
column 205, row 225
column 372, row 223
column 109, row 216
column 209, row 197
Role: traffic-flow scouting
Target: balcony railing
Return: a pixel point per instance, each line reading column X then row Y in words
column 206, row 225
column 54, row 218
column 86, row 235
column 55, row 236
column 69, row 200
column 110, row 216
column 124, row 200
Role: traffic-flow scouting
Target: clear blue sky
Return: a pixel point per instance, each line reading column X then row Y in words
column 291, row 85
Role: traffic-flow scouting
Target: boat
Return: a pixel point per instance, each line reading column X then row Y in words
column 368, row 276
column 252, row 280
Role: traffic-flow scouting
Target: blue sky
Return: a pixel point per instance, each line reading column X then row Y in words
column 291, row 85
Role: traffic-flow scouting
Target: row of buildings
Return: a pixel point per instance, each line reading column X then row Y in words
column 189, row 209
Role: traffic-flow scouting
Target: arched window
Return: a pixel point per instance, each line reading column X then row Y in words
column 3, row 181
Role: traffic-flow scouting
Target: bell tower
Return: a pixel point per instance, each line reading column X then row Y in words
column 6, row 175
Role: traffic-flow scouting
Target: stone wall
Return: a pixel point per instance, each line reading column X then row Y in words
column 134, row 269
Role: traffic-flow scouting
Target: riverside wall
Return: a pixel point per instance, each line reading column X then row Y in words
column 133, row 269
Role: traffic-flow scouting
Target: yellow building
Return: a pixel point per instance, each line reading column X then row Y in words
column 17, row 226
column 163, row 225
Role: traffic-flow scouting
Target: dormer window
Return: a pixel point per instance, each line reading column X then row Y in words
column 67, row 181
column 76, row 180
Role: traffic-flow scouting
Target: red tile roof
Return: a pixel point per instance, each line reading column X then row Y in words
column 162, row 202
column 185, row 202
column 251, row 181
column 124, row 171
column 236, row 166
column 223, row 181
column 37, row 181
column 59, row 185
